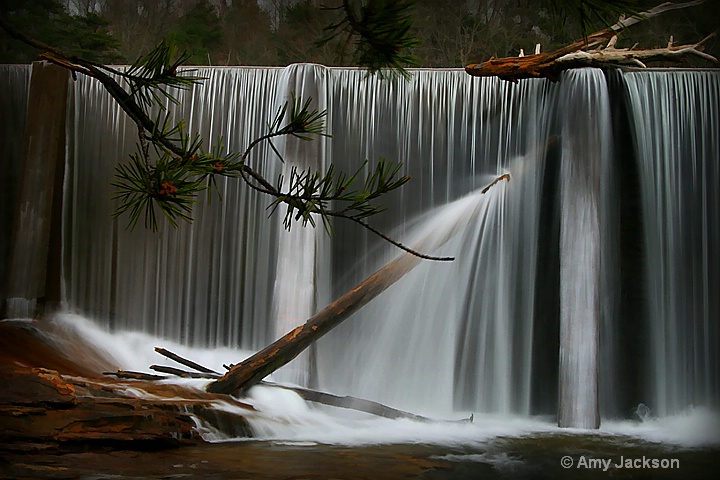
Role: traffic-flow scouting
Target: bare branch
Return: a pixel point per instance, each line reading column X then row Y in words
column 549, row 65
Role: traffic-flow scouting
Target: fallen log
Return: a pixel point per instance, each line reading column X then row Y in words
column 252, row 370
column 355, row 403
column 348, row 402
column 548, row 65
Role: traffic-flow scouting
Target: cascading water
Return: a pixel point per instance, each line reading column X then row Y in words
column 203, row 283
column 586, row 141
column 676, row 126
column 301, row 275
column 432, row 343
column 15, row 85
column 481, row 334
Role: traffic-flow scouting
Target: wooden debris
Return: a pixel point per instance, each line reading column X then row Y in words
column 135, row 375
column 355, row 403
column 610, row 56
column 349, row 402
column 183, row 373
column 576, row 55
column 185, row 361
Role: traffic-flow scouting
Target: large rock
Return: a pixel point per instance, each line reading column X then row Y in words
column 48, row 401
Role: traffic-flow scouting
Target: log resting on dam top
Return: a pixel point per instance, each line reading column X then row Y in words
column 576, row 54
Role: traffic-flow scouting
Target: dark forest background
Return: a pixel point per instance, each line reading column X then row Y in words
column 452, row 33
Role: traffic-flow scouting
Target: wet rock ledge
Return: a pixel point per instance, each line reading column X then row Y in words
column 52, row 403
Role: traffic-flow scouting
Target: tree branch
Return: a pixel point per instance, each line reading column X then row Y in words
column 547, row 65
column 626, row 56
column 169, row 181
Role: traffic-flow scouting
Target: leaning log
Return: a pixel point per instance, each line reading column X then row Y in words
column 546, row 65
column 252, row 370
column 249, row 372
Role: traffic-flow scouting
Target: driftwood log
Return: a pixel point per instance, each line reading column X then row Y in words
column 576, row 55
column 611, row 56
column 252, row 370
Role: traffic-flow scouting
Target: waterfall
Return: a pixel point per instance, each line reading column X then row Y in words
column 586, row 141
column 676, row 126
column 207, row 284
column 586, row 284
column 433, row 342
column 15, row 85
column 301, row 275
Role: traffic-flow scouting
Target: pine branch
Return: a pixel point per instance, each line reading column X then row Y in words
column 171, row 177
column 382, row 30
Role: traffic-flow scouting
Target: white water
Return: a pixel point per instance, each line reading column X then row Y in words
column 585, row 174
column 430, row 343
column 170, row 283
column 301, row 274
column 283, row 417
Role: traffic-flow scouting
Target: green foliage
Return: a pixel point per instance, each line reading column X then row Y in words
column 142, row 186
column 159, row 68
column 46, row 20
column 170, row 177
column 199, row 33
column 311, row 194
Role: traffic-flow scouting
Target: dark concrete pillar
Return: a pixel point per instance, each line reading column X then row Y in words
column 33, row 274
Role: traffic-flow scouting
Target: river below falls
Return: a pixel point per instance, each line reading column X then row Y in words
column 538, row 456
column 300, row 440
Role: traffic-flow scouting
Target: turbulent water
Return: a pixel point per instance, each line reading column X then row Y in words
column 284, row 419
column 587, row 282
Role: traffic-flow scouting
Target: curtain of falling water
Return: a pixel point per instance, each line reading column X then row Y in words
column 302, row 275
column 462, row 335
column 586, row 153
column 215, row 282
column 15, row 86
column 676, row 130
column 208, row 283
column 453, row 335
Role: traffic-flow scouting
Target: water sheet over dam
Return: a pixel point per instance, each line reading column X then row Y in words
column 586, row 285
